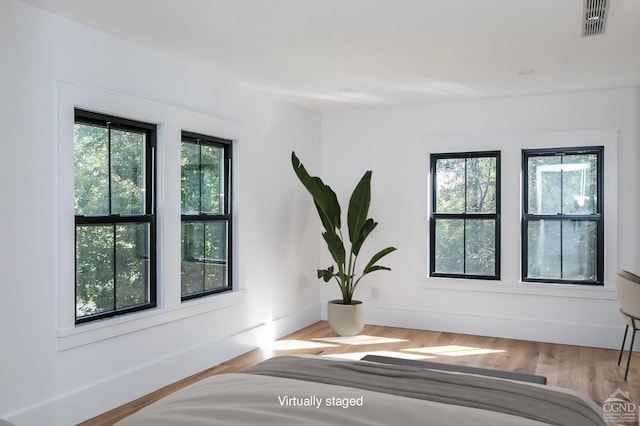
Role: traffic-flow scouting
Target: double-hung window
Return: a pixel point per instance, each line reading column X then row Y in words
column 115, row 227
column 465, row 215
column 206, row 215
column 562, row 221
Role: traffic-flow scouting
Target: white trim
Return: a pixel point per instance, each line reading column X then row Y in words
column 510, row 147
column 96, row 398
column 520, row 328
column 532, row 289
column 112, row 327
column 170, row 121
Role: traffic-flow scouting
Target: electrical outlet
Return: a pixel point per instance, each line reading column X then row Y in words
column 374, row 292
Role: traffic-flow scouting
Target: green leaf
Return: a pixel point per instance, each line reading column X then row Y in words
column 369, row 226
column 377, row 268
column 359, row 225
column 371, row 266
column 326, row 274
column 326, row 223
column 336, row 248
column 324, row 197
column 359, row 208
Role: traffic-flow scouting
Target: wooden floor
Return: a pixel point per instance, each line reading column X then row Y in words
column 591, row 371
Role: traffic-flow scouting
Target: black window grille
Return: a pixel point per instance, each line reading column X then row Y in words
column 206, row 215
column 465, row 215
column 115, row 227
column 562, row 220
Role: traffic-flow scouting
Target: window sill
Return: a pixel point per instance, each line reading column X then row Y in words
column 85, row 334
column 525, row 288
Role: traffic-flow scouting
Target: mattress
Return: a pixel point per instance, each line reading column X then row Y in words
column 301, row 390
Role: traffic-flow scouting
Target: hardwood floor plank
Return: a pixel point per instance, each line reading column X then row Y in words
column 591, row 371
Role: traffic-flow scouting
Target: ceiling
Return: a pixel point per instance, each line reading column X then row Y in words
column 350, row 54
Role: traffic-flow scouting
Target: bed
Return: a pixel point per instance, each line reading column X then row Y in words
column 302, row 390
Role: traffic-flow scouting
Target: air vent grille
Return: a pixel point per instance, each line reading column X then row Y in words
column 595, row 17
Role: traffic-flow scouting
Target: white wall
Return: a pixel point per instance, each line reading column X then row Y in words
column 395, row 143
column 52, row 372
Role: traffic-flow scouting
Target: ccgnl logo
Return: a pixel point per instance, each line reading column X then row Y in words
column 619, row 409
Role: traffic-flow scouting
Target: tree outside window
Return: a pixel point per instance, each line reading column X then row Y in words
column 114, row 221
column 562, row 223
column 206, row 218
column 465, row 215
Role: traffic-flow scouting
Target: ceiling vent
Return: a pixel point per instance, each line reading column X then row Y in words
column 595, row 17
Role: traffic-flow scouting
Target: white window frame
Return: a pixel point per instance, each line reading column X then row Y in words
column 170, row 120
column 511, row 146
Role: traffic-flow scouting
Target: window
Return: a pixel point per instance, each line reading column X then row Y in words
column 206, row 215
column 562, row 222
column 465, row 215
column 115, row 231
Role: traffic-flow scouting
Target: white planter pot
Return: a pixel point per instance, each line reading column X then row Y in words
column 345, row 320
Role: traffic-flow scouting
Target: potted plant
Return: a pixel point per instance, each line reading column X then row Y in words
column 345, row 315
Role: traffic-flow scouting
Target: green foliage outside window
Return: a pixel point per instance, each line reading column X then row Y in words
column 112, row 243
column 465, row 215
column 205, row 217
column 563, row 217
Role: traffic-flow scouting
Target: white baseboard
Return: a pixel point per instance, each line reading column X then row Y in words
column 600, row 336
column 97, row 398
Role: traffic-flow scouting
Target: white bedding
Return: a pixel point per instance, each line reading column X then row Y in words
column 257, row 399
column 242, row 399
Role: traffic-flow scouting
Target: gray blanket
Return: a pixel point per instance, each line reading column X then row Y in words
column 534, row 402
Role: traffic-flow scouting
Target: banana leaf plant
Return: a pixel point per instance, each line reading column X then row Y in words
column 359, row 228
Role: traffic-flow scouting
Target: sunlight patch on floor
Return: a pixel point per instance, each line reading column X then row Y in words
column 454, row 350
column 360, row 355
column 362, row 339
column 285, row 345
